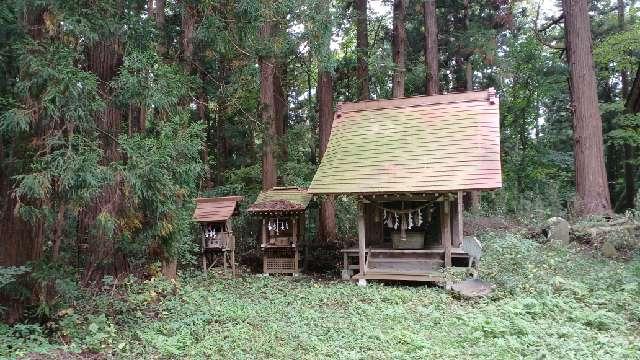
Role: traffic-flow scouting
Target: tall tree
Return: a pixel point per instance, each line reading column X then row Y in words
column 629, row 167
column 221, row 121
column 267, row 109
column 21, row 241
column 468, row 68
column 362, row 49
column 327, row 230
column 280, row 93
column 591, row 177
column 465, row 60
column 431, row 47
column 156, row 10
column 399, row 44
column 104, row 59
column 189, row 20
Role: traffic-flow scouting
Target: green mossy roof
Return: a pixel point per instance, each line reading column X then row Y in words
column 282, row 199
column 420, row 144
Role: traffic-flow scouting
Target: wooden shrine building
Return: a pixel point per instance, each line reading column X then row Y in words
column 408, row 162
column 282, row 212
column 216, row 233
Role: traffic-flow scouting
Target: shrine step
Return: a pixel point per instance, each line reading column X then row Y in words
column 404, row 259
column 426, row 277
column 403, row 266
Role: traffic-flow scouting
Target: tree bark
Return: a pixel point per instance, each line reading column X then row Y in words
column 281, row 107
column 362, row 50
column 189, row 18
column 468, row 69
column 399, row 48
column 431, row 48
column 20, row 241
column 155, row 8
column 468, row 74
column 104, row 59
column 591, row 178
column 327, row 230
column 221, row 120
column 267, row 112
column 628, row 150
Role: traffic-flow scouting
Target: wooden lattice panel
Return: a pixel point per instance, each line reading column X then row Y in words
column 283, row 261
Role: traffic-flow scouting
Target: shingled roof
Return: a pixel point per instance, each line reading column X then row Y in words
column 215, row 209
column 418, row 144
column 281, row 199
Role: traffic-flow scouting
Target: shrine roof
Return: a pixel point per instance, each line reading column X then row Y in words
column 413, row 145
column 281, row 199
column 215, row 209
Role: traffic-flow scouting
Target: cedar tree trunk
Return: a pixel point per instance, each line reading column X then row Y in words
column 20, row 241
column 591, row 178
column 155, row 8
column 362, row 50
column 327, row 229
column 221, row 117
column 399, row 52
column 267, row 112
column 629, row 168
column 431, row 47
column 104, row 59
column 281, row 106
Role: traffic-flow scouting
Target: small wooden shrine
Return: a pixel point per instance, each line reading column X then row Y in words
column 282, row 212
column 216, row 233
column 408, row 162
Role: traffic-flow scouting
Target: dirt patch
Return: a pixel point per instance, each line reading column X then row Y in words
column 61, row 354
column 475, row 224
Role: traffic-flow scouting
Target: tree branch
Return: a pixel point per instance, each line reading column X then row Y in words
column 538, row 31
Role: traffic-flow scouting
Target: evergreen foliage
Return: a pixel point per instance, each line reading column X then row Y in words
column 112, row 122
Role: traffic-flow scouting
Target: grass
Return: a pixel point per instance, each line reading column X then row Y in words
column 551, row 302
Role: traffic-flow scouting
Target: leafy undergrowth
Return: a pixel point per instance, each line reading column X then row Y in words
column 550, row 302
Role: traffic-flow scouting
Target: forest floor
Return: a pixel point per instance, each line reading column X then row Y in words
column 551, row 301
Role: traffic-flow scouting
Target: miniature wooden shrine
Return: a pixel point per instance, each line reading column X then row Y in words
column 408, row 162
column 281, row 211
column 216, row 233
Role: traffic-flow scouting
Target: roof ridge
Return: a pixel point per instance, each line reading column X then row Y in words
column 420, row 100
column 236, row 198
column 286, row 188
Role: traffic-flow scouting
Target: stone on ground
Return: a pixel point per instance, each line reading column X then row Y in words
column 609, row 249
column 557, row 229
column 472, row 288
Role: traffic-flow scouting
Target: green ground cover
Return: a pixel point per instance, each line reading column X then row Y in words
column 551, row 302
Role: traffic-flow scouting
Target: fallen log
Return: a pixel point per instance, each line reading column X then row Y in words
column 598, row 231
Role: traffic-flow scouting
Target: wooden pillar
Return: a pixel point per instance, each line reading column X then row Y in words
column 264, row 231
column 361, row 240
column 456, row 221
column 460, row 217
column 224, row 261
column 302, row 225
column 204, row 255
column 233, row 263
column 295, row 230
column 445, row 230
